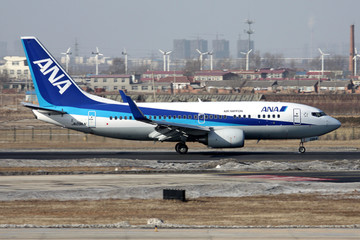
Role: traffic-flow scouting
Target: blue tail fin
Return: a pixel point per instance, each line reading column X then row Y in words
column 54, row 87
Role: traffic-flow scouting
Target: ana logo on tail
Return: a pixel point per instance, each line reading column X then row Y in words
column 45, row 68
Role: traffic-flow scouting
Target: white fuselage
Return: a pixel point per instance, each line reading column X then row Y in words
column 258, row 120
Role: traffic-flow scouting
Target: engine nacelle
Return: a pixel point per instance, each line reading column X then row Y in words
column 225, row 138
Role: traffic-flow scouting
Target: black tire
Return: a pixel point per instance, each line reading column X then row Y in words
column 181, row 148
column 302, row 149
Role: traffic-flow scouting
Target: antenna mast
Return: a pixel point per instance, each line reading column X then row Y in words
column 249, row 31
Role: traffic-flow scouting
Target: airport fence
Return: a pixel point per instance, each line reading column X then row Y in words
column 55, row 134
column 52, row 134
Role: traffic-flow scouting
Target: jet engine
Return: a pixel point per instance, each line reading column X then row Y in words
column 225, row 138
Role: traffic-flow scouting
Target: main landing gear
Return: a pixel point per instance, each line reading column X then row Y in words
column 181, row 148
column 302, row 149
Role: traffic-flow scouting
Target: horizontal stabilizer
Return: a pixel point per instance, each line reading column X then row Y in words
column 36, row 107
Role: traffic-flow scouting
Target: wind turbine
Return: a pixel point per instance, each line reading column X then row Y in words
column 355, row 59
column 247, row 58
column 164, row 53
column 126, row 60
column 322, row 61
column 211, row 59
column 67, row 59
column 97, row 54
column 201, row 58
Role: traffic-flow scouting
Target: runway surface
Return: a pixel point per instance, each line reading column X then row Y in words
column 174, row 157
column 283, row 234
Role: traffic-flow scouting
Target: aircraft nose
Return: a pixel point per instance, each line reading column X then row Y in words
column 333, row 123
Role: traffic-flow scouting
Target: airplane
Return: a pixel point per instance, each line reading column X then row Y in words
column 215, row 124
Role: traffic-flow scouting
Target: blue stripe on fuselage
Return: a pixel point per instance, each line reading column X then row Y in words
column 112, row 110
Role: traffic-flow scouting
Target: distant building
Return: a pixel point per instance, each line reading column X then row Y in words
column 200, row 44
column 297, row 86
column 214, row 76
column 181, row 49
column 15, row 68
column 336, row 87
column 259, row 86
column 186, row 49
column 157, row 75
column 221, row 48
column 110, row 83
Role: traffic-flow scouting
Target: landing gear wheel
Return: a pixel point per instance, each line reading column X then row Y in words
column 302, row 149
column 181, row 148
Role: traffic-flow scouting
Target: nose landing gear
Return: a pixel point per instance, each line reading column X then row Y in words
column 181, row 148
column 302, row 149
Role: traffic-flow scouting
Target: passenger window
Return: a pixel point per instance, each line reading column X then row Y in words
column 190, row 117
column 195, row 117
column 110, row 118
column 125, row 117
column 184, row 117
column 211, row 116
column 268, row 115
column 130, row 117
column 249, row 116
column 234, row 116
column 259, row 116
column 278, row 115
column 120, row 117
column 264, row 116
column 115, row 117
column 273, row 115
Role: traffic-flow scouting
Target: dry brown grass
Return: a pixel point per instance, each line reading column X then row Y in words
column 297, row 209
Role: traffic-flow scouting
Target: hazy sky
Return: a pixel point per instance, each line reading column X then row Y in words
column 144, row 26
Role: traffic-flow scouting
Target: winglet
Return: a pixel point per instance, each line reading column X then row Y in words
column 136, row 112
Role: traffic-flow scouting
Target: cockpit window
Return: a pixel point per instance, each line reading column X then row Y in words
column 318, row 114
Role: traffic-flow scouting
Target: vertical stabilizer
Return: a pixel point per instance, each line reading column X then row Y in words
column 54, row 87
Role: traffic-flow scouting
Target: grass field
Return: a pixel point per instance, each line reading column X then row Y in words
column 276, row 210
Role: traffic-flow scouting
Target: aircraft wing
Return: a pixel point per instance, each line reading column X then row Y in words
column 36, row 107
column 164, row 129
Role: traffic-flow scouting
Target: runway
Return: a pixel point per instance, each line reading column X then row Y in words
column 259, row 233
column 174, row 157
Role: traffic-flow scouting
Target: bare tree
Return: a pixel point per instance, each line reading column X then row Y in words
column 272, row 60
column 191, row 66
column 117, row 66
column 337, row 62
column 4, row 77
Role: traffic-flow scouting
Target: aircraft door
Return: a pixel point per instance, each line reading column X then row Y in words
column 201, row 118
column 297, row 116
column 92, row 119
